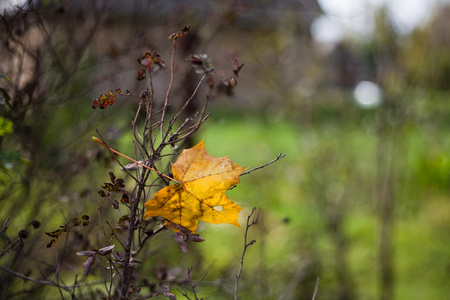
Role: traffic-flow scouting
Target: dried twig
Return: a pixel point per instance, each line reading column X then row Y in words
column 316, row 288
column 5, row 225
column 67, row 288
column 150, row 154
column 192, row 285
column 280, row 156
column 169, row 89
column 129, row 158
column 246, row 245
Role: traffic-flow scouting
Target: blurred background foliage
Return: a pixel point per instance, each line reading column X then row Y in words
column 361, row 200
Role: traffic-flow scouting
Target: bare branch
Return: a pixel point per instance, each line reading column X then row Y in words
column 191, row 284
column 169, row 89
column 5, row 225
column 280, row 156
column 246, row 245
column 136, row 162
column 103, row 143
column 67, row 288
column 316, row 288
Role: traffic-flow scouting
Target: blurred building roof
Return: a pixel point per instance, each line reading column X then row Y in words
column 248, row 13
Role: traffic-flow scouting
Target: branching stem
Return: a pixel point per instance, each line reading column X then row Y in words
column 135, row 161
column 67, row 288
column 246, row 245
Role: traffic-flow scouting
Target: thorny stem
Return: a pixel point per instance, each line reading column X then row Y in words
column 246, row 245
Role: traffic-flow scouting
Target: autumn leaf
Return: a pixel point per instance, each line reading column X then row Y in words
column 151, row 61
column 104, row 100
column 199, row 193
column 201, row 63
column 236, row 66
column 64, row 228
column 180, row 33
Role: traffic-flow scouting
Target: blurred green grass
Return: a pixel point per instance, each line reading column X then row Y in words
column 293, row 228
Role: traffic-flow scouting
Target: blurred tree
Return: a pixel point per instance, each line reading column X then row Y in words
column 389, row 77
column 44, row 66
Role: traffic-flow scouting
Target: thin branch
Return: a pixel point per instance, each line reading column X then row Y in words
column 5, row 225
column 129, row 158
column 188, row 100
column 169, row 89
column 201, row 279
column 246, row 245
column 173, row 120
column 101, row 142
column 185, row 294
column 193, row 286
column 9, row 247
column 114, row 234
column 280, row 156
column 316, row 288
column 149, row 118
column 111, row 265
column 193, row 128
column 73, row 287
column 196, row 126
column 184, row 134
column 58, row 264
column 145, row 238
column 67, row 288
column 127, row 268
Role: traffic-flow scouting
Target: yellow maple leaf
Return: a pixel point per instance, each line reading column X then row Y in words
column 200, row 191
